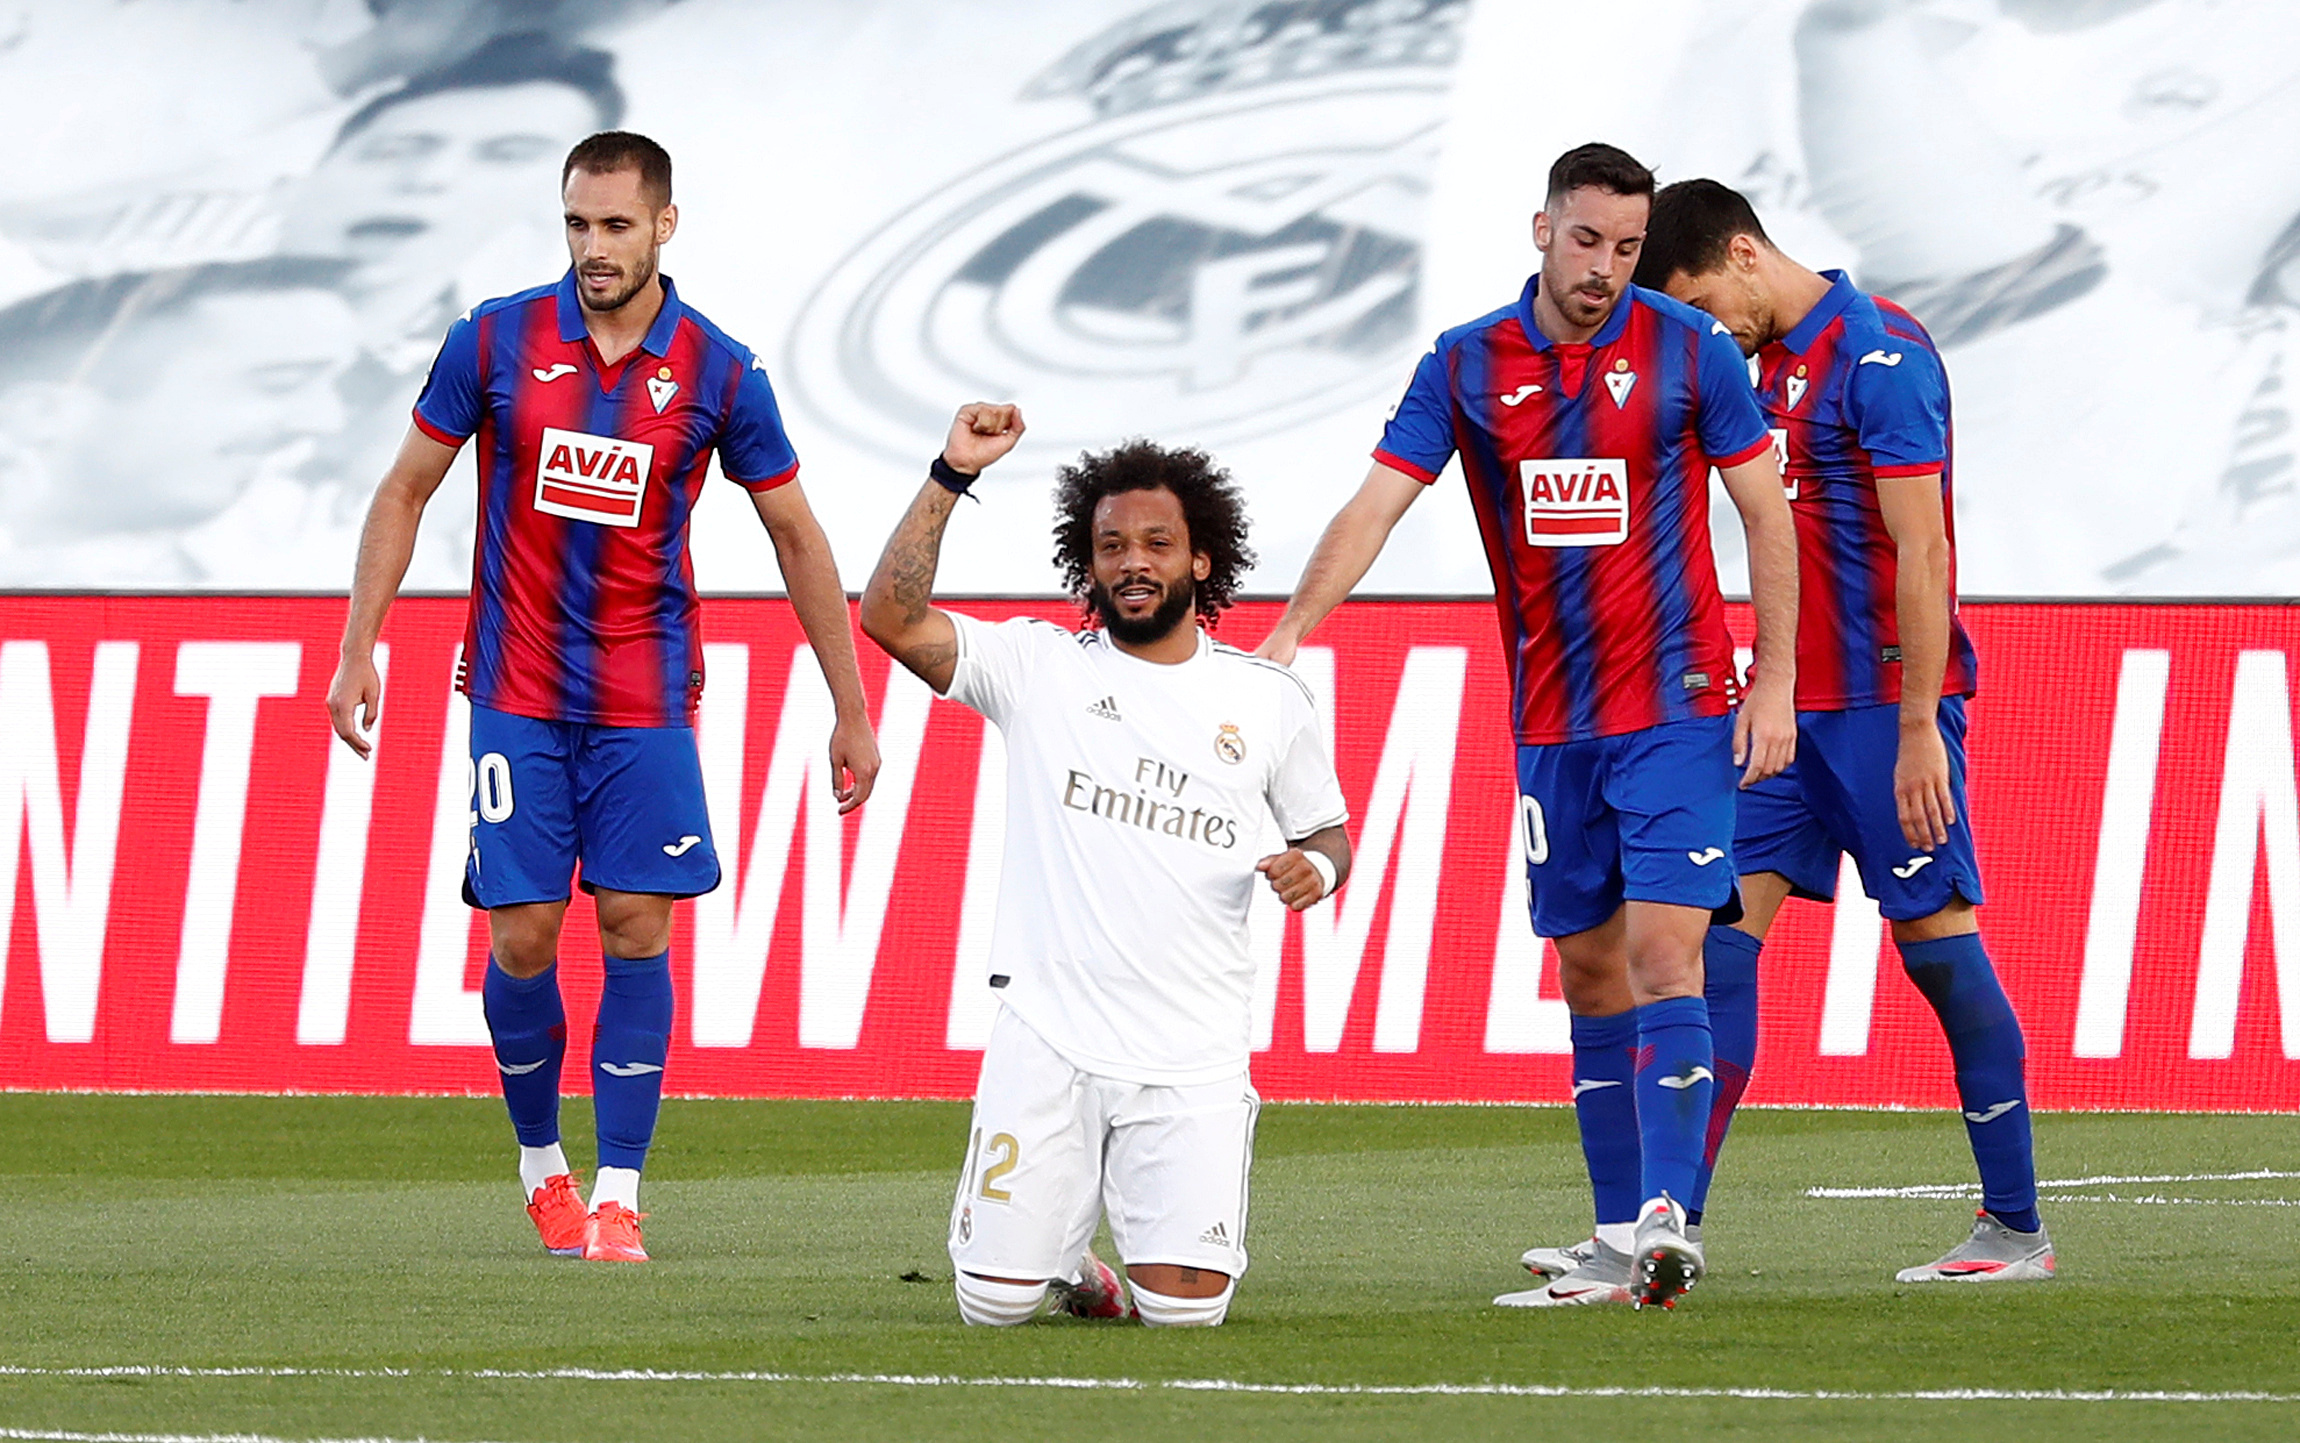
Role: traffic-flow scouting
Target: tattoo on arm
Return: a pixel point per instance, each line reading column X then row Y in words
column 915, row 550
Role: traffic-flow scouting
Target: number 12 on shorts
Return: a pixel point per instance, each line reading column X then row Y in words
column 1009, row 1153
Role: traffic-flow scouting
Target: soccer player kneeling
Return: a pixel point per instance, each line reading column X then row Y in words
column 1142, row 757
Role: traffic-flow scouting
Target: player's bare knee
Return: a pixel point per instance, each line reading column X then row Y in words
column 1955, row 920
column 989, row 1303
column 1664, row 966
column 1593, row 986
column 1176, row 1280
column 634, row 924
column 524, row 940
column 1162, row 1310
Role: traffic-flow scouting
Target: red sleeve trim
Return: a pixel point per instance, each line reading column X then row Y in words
column 788, row 474
column 1887, row 473
column 1743, row 457
column 444, row 438
column 1400, row 463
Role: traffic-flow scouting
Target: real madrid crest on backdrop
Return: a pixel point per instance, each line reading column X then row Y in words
column 1228, row 244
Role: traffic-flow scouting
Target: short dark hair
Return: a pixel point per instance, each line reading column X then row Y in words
column 1212, row 508
column 505, row 61
column 1605, row 167
column 68, row 332
column 612, row 150
column 1693, row 222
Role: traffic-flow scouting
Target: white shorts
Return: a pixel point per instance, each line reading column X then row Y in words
column 1053, row 1149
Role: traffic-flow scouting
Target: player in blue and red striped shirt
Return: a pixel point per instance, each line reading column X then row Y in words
column 597, row 405
column 1856, row 391
column 1587, row 415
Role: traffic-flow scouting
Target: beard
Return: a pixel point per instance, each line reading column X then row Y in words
column 1174, row 609
column 642, row 275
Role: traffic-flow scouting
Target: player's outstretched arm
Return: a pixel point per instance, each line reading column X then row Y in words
column 1301, row 883
column 1915, row 519
column 1345, row 552
column 896, row 609
column 811, row 578
column 1765, row 730
column 386, row 545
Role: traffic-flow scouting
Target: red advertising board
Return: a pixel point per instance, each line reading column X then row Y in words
column 203, row 891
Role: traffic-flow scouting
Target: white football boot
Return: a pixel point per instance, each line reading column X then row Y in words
column 1665, row 1263
column 1601, row 1277
column 1993, row 1254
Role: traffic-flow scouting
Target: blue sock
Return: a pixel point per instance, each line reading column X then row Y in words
column 627, row 1051
column 1729, row 964
column 1675, row 1084
column 528, row 1023
column 1605, row 1104
column 1985, row 1040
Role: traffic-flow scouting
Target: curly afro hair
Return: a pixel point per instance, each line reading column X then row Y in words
column 1211, row 508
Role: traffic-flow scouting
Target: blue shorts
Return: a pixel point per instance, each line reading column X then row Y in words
column 624, row 802
column 1837, row 797
column 1642, row 817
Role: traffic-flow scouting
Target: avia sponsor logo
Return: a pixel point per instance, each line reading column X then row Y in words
column 598, row 479
column 1575, row 501
column 1781, row 460
column 1136, row 807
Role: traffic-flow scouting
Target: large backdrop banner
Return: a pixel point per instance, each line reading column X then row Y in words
column 232, row 233
column 203, row 890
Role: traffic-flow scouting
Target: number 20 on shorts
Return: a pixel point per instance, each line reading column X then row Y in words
column 491, row 788
column 1536, row 832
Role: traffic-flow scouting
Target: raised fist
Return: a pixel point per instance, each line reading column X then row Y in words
column 980, row 435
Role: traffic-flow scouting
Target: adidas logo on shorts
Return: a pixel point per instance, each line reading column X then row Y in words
column 1107, row 709
column 1217, row 1235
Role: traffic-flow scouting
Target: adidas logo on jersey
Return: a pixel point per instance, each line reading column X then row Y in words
column 1107, row 709
column 1215, row 1236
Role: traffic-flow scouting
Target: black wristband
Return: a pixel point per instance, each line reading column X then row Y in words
column 949, row 477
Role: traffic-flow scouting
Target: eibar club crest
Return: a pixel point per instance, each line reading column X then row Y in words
column 1796, row 387
column 1619, row 380
column 661, row 388
column 1229, row 745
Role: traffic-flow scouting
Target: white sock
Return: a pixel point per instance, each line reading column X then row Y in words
column 616, row 1185
column 1621, row 1237
column 538, row 1165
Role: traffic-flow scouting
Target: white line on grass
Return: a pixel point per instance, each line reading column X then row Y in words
column 1952, row 1190
column 1188, row 1385
column 58, row 1435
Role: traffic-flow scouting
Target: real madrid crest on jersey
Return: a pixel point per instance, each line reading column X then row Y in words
column 1619, row 380
column 661, row 388
column 1229, row 745
column 1796, row 386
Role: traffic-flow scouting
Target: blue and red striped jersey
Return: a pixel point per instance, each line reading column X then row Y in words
column 1588, row 466
column 1857, row 393
column 583, row 604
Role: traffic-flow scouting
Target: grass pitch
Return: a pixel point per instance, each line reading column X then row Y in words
column 367, row 1264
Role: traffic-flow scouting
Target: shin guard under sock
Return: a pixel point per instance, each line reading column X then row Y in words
column 1984, row 1038
column 528, row 1024
column 1676, row 1080
column 627, row 1052
column 1605, row 1105
column 1729, row 965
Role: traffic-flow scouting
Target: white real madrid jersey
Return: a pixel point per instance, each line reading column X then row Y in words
column 1135, row 793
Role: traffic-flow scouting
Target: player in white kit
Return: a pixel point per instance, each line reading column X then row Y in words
column 1143, row 758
